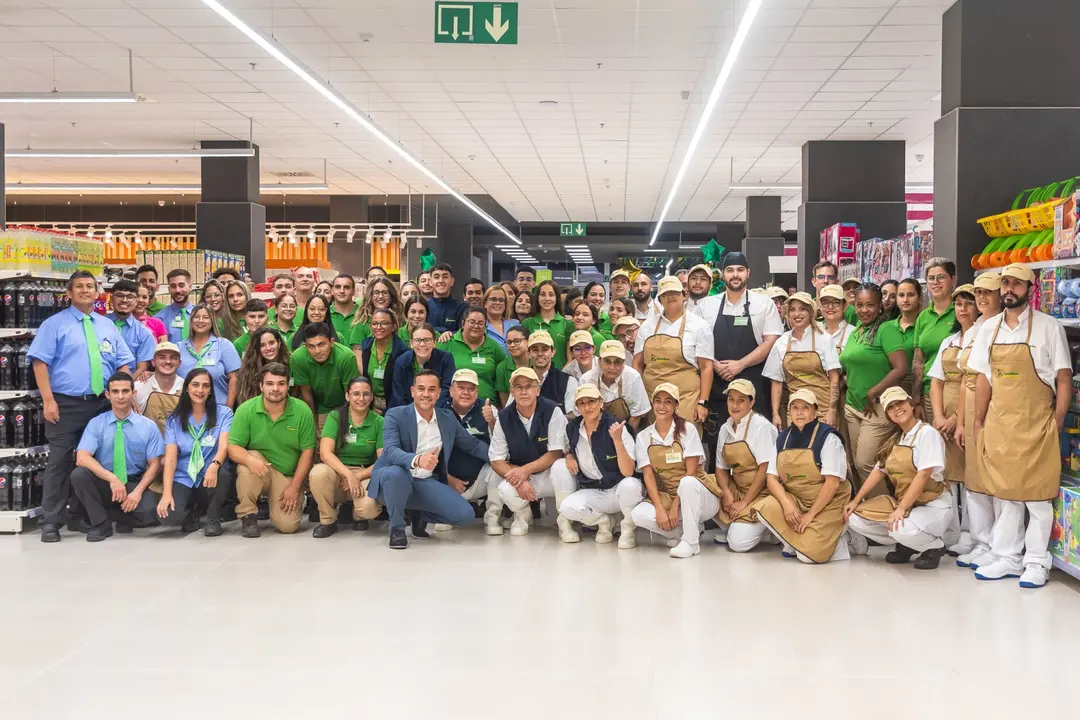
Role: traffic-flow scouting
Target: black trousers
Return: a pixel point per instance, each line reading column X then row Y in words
column 63, row 438
column 96, row 496
column 193, row 502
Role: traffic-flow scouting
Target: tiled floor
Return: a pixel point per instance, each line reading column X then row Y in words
column 463, row 626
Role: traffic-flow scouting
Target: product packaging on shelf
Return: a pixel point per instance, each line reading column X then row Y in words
column 838, row 243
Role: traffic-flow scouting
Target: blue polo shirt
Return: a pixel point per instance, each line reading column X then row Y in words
column 174, row 321
column 142, row 441
column 60, row 343
column 185, row 443
column 445, row 314
column 219, row 358
column 139, row 339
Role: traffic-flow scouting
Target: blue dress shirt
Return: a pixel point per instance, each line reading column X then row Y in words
column 220, row 359
column 142, row 441
column 176, row 435
column 139, row 339
column 501, row 339
column 60, row 343
column 171, row 316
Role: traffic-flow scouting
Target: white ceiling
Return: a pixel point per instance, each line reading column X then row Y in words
column 811, row 69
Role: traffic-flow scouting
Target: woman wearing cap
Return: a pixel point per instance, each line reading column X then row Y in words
column 779, row 297
column 933, row 325
column 917, row 512
column 517, row 349
column 833, row 305
column 582, row 353
column 946, row 381
column 873, row 360
column 675, row 347
column 808, row 487
column 668, row 453
column 804, row 357
column 621, row 388
column 544, row 315
column 600, row 481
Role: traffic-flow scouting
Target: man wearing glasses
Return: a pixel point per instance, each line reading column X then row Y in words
column 472, row 349
column 824, row 273
column 125, row 294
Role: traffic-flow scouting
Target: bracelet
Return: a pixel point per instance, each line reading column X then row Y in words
column 215, row 462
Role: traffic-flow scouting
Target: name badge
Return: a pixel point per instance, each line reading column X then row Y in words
column 178, row 321
column 472, row 430
column 378, row 373
column 106, row 347
column 210, row 361
column 673, row 457
column 741, row 320
column 479, row 360
column 208, row 441
column 350, row 437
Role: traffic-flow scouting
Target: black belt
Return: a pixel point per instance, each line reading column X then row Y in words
column 80, row 397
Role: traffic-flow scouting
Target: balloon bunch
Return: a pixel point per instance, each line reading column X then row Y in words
column 714, row 255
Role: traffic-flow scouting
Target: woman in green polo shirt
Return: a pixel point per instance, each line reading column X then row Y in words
column 909, row 303
column 544, row 315
column 236, row 298
column 415, row 316
column 873, row 361
column 285, row 320
column 585, row 317
column 596, row 295
column 350, row 443
column 379, row 295
column 933, row 325
column 517, row 345
column 473, row 349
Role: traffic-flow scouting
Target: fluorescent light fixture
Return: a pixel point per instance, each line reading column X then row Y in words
column 16, row 188
column 128, row 154
column 925, row 186
column 68, row 97
column 304, row 73
column 745, row 24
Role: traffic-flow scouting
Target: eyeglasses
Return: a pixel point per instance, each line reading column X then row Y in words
column 937, row 278
column 496, row 300
column 515, row 341
column 582, row 348
column 366, row 395
column 523, row 388
column 380, row 293
column 422, row 341
column 381, row 324
column 124, row 297
column 824, row 277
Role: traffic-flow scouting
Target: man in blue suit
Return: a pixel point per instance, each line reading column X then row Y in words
column 411, row 472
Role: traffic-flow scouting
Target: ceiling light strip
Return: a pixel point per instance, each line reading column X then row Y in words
column 22, row 188
column 916, row 186
column 745, row 24
column 129, row 154
column 304, row 73
column 68, row 97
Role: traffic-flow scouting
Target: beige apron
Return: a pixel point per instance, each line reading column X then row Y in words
column 803, row 370
column 669, row 474
column 803, row 482
column 618, row 407
column 664, row 362
column 950, row 400
column 743, row 468
column 1019, row 449
column 900, row 467
column 971, row 450
column 158, row 407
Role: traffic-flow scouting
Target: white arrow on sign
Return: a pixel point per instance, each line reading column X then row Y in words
column 500, row 27
column 580, row 230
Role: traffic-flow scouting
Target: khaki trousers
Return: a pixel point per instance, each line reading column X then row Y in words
column 250, row 486
column 867, row 433
column 330, row 490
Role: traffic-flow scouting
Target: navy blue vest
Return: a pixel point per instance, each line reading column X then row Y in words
column 794, row 439
column 603, row 452
column 554, row 387
column 527, row 447
column 463, row 466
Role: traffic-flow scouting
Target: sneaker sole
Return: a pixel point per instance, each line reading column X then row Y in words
column 990, row 579
column 1031, row 586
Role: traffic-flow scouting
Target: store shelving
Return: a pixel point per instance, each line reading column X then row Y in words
column 12, row 394
column 21, row 452
column 1041, row 265
column 16, row 332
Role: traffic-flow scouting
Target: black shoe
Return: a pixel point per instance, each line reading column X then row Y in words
column 79, row 524
column 312, row 509
column 250, row 527
column 50, row 533
column 212, row 529
column 478, row 510
column 900, row 555
column 535, row 505
column 344, row 513
column 383, row 515
column 100, row 532
column 419, row 527
column 190, row 526
column 398, row 540
column 929, row 559
column 125, row 528
column 324, row 531
column 361, row 525
column 263, row 512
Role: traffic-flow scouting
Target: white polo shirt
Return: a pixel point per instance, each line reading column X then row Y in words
column 761, row 437
column 936, row 371
column 568, row 396
column 833, row 459
column 927, row 450
column 690, row 441
column 698, row 307
column 499, row 450
column 584, row 455
column 573, row 369
column 843, row 331
column 1049, row 347
column 145, row 388
column 763, row 314
column 654, row 309
column 697, row 340
column 633, row 389
column 823, row 344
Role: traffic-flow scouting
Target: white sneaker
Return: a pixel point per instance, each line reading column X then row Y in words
column 720, row 538
column 998, row 570
column 491, row 520
column 443, row 527
column 493, row 529
column 975, row 559
column 566, row 530
column 857, row 544
column 1035, row 576
column 787, row 551
column 603, row 530
column 520, row 525
column 961, row 548
column 672, row 542
column 627, row 530
column 683, row 550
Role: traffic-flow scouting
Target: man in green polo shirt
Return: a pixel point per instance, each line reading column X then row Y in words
column 272, row 442
column 343, row 308
column 322, row 369
column 254, row 318
column 472, row 349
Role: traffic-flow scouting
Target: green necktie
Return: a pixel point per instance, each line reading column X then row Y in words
column 200, row 357
column 93, row 349
column 119, row 323
column 119, row 457
column 184, row 332
column 196, row 461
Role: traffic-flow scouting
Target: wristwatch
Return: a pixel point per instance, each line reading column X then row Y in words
column 215, row 461
column 703, row 404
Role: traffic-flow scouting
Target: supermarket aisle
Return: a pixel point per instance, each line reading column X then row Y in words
column 466, row 626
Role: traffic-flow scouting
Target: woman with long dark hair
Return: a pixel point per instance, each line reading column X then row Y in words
column 511, row 299
column 888, row 298
column 416, row 313
column 317, row 310
column 544, row 315
column 377, row 354
column 213, row 296
column 380, row 295
column 236, row 300
column 596, row 297
column 198, row 476
column 909, row 303
column 205, row 348
column 266, row 346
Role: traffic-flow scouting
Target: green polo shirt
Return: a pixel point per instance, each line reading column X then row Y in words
column 358, row 333
column 378, row 372
column 155, row 307
column 850, row 315
column 502, row 374
column 484, row 360
column 327, row 380
column 604, row 326
column 559, row 328
column 286, row 335
column 360, row 442
column 931, row 329
column 866, row 363
column 241, row 343
column 280, row 441
column 342, row 324
column 899, row 336
column 271, row 317
column 404, row 335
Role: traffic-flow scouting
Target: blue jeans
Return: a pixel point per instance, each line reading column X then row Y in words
column 433, row 500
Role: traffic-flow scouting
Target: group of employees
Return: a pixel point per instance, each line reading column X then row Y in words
column 817, row 422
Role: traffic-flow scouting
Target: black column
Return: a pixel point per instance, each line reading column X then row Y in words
column 228, row 217
column 349, row 258
column 860, row 182
column 1007, row 123
column 763, row 237
column 455, row 247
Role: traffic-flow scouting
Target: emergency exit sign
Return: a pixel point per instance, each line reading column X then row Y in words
column 573, row 229
column 478, row 23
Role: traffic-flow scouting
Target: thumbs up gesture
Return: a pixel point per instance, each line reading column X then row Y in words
column 616, row 430
column 489, row 412
column 429, row 460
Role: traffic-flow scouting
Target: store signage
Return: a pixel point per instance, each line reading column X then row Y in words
column 479, row 23
column 573, row 229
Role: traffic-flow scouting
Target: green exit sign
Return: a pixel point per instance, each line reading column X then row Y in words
column 573, row 229
column 479, row 23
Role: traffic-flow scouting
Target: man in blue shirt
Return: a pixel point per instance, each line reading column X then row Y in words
column 470, row 476
column 140, row 340
column 73, row 352
column 177, row 314
column 444, row 312
column 119, row 456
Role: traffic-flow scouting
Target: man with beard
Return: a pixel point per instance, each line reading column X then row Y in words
column 698, row 284
column 644, row 305
column 1023, row 391
column 745, row 327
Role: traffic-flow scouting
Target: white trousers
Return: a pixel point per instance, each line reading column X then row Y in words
column 842, row 552
column 577, row 505
column 952, row 531
column 1008, row 539
column 980, row 514
column 697, row 505
column 486, row 486
column 923, row 528
column 543, row 483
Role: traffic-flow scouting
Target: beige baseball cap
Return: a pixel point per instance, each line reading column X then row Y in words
column 1019, row 272
column 988, row 281
column 759, row 291
column 775, row 291
column 850, row 281
column 619, row 273
column 588, row 390
column 466, row 375
column 807, row 396
column 166, row 346
column 581, row 336
column 742, row 386
column 541, row 337
column 669, row 283
column 893, row 394
column 703, row 268
column 834, row 292
column 525, row 372
column 612, row 348
column 670, row 388
column 965, row 288
column 805, row 299
column 626, row 320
